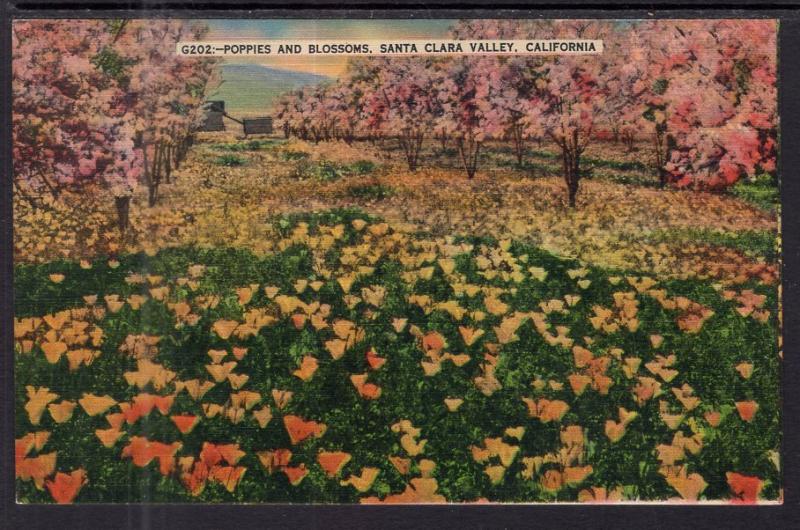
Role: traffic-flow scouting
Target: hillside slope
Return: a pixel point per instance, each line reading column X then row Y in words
column 249, row 89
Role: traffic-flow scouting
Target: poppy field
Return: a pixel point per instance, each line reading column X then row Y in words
column 365, row 362
column 331, row 316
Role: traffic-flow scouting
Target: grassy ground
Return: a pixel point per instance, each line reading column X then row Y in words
column 633, row 226
column 706, row 362
column 504, row 347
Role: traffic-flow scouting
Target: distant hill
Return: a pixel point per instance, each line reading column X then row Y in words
column 249, row 89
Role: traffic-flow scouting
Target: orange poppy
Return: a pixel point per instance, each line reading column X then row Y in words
column 599, row 494
column 332, row 462
column 744, row 488
column 65, row 487
column 224, row 328
column 308, row 366
column 545, row 409
column 37, row 468
column 690, row 486
column 363, row 482
column 38, row 399
column 108, row 437
column 713, row 417
column 295, row 474
column 212, row 454
column 433, row 342
column 365, row 390
column 274, row 460
column 61, row 412
column 263, row 416
column 747, row 410
column 281, row 397
column 374, row 361
column 300, row 429
column 195, row 481
column 402, row 465
column 185, row 423
column 228, row 476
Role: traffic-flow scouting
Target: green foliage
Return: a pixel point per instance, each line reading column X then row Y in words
column 230, row 160
column 705, row 361
column 622, row 165
column 284, row 223
column 548, row 163
column 361, row 167
column 742, row 74
column 250, row 145
column 449, row 152
column 288, row 155
column 631, row 179
column 370, row 191
column 761, row 192
column 547, row 155
column 753, row 243
column 113, row 65
column 325, row 170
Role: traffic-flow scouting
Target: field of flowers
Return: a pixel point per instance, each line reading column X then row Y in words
column 227, row 192
column 312, row 323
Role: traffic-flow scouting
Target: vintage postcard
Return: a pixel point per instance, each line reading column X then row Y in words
column 396, row 261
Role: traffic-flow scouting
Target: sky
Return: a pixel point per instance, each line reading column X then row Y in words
column 320, row 29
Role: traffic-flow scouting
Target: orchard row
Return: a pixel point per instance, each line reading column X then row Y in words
column 104, row 104
column 701, row 93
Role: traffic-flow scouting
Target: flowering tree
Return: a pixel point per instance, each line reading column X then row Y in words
column 517, row 99
column 281, row 113
column 628, row 86
column 102, row 104
column 402, row 103
column 71, row 121
column 167, row 92
column 713, row 100
column 572, row 95
column 703, row 92
column 343, row 102
column 471, row 112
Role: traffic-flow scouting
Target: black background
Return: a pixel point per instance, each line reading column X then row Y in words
column 196, row 516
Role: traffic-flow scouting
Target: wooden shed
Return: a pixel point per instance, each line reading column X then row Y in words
column 261, row 125
column 214, row 111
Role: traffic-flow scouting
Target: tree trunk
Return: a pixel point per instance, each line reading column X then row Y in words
column 411, row 143
column 52, row 188
column 123, row 205
column 572, row 191
column 168, row 163
column 177, row 155
column 152, row 195
column 571, row 167
column 469, row 151
column 153, row 175
column 519, row 143
column 659, row 138
column 663, row 177
column 148, row 178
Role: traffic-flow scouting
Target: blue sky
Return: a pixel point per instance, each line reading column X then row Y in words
column 321, row 29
